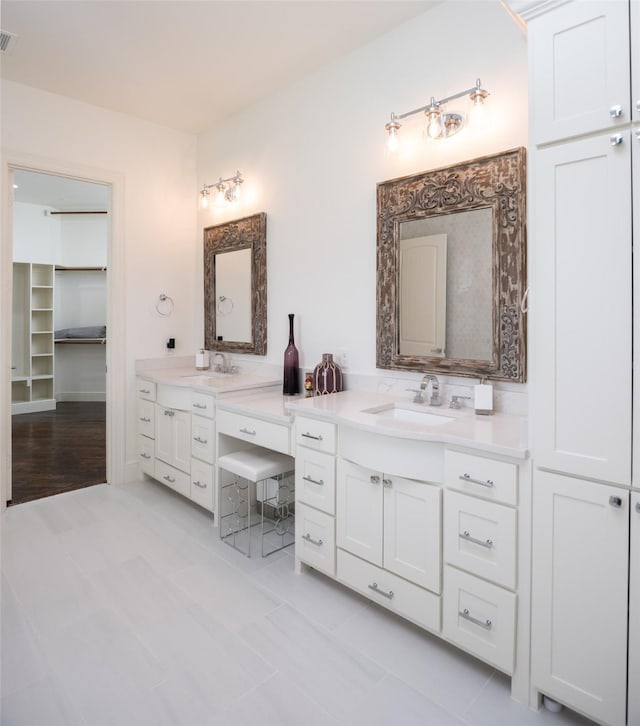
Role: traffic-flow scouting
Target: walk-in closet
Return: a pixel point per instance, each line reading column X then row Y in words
column 59, row 335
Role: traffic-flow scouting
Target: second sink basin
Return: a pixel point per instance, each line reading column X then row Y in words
column 410, row 415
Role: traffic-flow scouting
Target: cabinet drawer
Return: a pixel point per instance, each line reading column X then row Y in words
column 391, row 591
column 202, row 484
column 202, row 439
column 316, row 539
column 146, row 455
column 262, row 433
column 480, row 537
column 487, row 478
column 146, row 389
column 316, row 479
column 479, row 617
column 146, row 418
column 173, row 478
column 202, row 404
column 319, row 435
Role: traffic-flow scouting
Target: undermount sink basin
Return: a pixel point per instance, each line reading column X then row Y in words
column 410, row 415
column 204, row 374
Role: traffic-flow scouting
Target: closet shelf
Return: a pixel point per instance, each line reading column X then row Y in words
column 62, row 268
column 80, row 341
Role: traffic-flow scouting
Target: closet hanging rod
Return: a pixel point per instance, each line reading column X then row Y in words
column 95, row 211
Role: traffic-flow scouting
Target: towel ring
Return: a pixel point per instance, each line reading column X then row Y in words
column 164, row 305
column 225, row 305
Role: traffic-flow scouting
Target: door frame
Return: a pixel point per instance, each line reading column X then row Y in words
column 115, row 374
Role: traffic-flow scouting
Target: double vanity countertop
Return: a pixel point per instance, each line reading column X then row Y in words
column 378, row 413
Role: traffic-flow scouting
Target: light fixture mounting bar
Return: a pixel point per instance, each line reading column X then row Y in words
column 477, row 89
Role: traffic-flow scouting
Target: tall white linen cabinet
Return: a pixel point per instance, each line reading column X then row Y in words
column 584, row 159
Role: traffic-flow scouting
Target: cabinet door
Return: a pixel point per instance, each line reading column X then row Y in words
column 635, row 59
column 202, row 439
column 579, row 61
column 181, row 440
column 579, row 604
column 163, row 433
column 582, row 309
column 634, row 612
column 359, row 511
column 412, row 530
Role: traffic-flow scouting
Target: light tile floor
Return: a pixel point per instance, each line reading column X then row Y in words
column 121, row 606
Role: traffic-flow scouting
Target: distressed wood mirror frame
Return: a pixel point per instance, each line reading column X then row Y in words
column 498, row 182
column 249, row 232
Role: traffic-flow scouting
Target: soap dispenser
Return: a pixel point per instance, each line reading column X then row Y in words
column 483, row 398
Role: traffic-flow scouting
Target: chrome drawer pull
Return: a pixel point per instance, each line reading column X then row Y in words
column 246, row 431
column 374, row 586
column 467, row 477
column 145, row 420
column 374, row 479
column 307, row 435
column 314, row 481
column 169, row 479
column 200, row 405
column 202, row 486
column 199, row 440
column 169, row 413
column 486, row 624
column 488, row 543
column 309, row 538
column 145, row 390
column 145, row 456
column 388, row 483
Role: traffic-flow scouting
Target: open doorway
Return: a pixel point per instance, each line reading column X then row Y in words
column 61, row 234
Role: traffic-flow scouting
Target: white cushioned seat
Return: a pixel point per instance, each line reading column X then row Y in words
column 256, row 464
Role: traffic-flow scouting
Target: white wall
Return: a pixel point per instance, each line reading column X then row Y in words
column 312, row 156
column 36, row 235
column 155, row 169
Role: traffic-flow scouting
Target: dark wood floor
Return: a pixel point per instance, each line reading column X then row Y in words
column 58, row 451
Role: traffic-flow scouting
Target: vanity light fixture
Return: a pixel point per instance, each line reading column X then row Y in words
column 225, row 190
column 438, row 124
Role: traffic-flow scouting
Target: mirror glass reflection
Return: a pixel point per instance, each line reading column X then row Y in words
column 233, row 295
column 446, row 286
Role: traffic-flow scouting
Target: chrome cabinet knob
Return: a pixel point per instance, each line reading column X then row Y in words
column 615, row 501
column 616, row 139
column 615, row 111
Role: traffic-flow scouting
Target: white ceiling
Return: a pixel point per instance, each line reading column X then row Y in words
column 185, row 63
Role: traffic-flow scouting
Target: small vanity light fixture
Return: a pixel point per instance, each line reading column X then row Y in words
column 438, row 124
column 225, row 190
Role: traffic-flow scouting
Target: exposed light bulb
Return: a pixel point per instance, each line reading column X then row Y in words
column 237, row 188
column 477, row 114
column 434, row 125
column 204, row 199
column 393, row 142
column 220, row 194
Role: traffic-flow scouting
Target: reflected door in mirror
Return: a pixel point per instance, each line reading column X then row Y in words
column 233, row 295
column 423, row 295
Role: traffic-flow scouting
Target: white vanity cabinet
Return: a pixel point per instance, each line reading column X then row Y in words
column 315, row 494
column 584, row 164
column 146, row 416
column 176, row 439
column 390, row 521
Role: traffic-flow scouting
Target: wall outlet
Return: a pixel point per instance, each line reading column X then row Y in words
column 344, row 359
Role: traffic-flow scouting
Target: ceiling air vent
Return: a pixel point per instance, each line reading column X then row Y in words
column 7, row 41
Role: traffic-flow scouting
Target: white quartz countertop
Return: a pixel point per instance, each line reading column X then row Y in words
column 208, row 381
column 499, row 433
column 269, row 405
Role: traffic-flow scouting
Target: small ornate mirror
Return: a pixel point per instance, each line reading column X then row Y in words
column 451, row 261
column 235, row 286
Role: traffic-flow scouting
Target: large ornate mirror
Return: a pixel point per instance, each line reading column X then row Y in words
column 451, row 263
column 235, row 286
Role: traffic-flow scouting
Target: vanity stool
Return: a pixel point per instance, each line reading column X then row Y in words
column 262, row 492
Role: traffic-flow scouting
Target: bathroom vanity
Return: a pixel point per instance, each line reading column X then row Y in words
column 426, row 512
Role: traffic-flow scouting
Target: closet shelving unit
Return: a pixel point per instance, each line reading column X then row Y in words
column 33, row 363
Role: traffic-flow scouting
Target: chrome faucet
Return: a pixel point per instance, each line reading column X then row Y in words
column 224, row 368
column 435, row 399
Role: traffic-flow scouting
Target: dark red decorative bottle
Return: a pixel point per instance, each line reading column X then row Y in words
column 291, row 376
